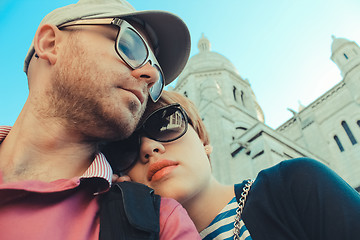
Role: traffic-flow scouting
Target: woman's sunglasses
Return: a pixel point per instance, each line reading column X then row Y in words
column 166, row 124
column 131, row 47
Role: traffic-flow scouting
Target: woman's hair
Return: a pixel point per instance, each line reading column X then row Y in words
column 167, row 98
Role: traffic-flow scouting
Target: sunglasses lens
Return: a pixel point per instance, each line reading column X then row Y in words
column 132, row 47
column 134, row 51
column 166, row 125
column 122, row 155
column 156, row 90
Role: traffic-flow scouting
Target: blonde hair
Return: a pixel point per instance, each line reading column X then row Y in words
column 170, row 97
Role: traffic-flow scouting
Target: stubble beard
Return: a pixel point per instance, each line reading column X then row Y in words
column 77, row 98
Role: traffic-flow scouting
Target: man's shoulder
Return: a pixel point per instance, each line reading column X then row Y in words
column 169, row 204
column 175, row 223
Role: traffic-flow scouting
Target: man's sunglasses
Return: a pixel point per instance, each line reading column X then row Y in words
column 166, row 124
column 131, row 47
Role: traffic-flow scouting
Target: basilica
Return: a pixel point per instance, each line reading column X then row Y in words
column 327, row 130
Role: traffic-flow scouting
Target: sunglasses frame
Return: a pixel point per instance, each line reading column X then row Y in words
column 142, row 128
column 122, row 24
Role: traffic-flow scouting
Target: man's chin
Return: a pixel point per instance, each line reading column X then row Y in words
column 123, row 129
column 118, row 126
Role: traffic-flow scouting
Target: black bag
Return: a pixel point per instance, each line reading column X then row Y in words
column 129, row 211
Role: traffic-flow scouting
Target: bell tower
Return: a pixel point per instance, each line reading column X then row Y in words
column 345, row 54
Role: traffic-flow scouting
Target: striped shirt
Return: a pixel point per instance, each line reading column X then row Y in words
column 222, row 227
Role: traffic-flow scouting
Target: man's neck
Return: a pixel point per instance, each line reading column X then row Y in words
column 44, row 151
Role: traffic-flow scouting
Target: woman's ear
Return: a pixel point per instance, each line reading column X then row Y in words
column 208, row 149
column 45, row 42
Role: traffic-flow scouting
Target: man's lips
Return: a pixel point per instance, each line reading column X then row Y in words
column 159, row 165
column 139, row 94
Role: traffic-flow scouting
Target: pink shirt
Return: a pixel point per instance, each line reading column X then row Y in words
column 68, row 208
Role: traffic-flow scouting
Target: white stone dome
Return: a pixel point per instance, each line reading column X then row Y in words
column 206, row 60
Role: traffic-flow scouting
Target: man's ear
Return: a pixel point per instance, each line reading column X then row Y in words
column 45, row 42
column 208, row 149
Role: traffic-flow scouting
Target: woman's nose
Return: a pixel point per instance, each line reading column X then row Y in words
column 150, row 148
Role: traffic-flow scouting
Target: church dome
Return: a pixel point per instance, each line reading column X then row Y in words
column 206, row 60
column 338, row 43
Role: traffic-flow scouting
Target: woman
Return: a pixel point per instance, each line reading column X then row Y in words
column 296, row 199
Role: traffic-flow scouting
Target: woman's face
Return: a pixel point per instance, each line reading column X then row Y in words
column 178, row 169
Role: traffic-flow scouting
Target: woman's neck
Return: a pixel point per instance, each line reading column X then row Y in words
column 207, row 204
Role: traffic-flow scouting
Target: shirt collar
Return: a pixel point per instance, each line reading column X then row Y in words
column 4, row 131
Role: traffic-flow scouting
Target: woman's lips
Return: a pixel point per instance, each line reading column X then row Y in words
column 159, row 169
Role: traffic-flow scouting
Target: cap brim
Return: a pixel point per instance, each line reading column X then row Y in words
column 173, row 41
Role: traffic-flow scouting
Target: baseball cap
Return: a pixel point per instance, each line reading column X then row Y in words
column 168, row 33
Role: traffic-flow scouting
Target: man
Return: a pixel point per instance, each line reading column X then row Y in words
column 91, row 69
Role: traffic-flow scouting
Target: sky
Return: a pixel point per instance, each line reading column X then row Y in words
column 282, row 47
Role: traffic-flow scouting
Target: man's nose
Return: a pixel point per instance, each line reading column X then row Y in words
column 147, row 73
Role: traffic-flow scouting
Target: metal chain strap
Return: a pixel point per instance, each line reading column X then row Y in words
column 241, row 205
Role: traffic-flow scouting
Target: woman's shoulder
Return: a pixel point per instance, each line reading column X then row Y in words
column 302, row 162
column 297, row 168
column 301, row 176
column 291, row 175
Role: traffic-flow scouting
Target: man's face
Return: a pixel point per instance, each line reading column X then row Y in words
column 93, row 89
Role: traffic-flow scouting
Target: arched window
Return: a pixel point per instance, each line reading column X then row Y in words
column 337, row 140
column 234, row 92
column 242, row 97
column 358, row 123
column 348, row 132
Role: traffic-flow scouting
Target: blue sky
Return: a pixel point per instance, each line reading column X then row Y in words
column 282, row 47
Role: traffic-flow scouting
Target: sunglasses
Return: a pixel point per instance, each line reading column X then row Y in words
column 166, row 124
column 131, row 48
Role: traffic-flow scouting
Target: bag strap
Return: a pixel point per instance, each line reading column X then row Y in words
column 238, row 188
column 129, row 211
column 241, row 192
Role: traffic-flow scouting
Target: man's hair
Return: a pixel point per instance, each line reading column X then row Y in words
column 167, row 98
